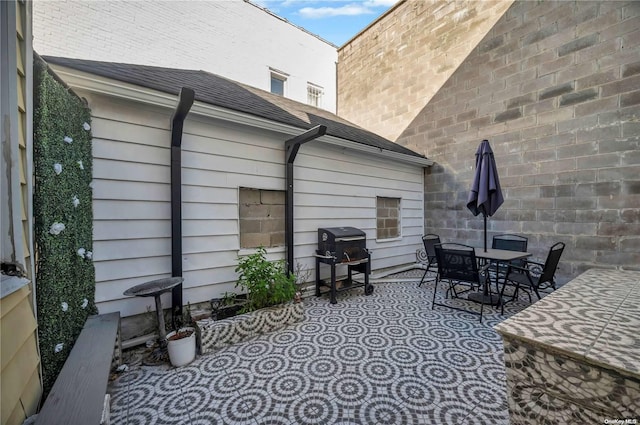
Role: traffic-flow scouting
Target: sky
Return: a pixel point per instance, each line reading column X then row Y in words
column 336, row 21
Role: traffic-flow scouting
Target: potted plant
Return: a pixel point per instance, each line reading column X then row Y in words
column 265, row 282
column 227, row 306
column 181, row 343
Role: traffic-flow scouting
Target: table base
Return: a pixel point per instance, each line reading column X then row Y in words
column 483, row 298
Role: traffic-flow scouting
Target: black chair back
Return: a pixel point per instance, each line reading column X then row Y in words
column 457, row 262
column 511, row 243
column 550, row 266
column 430, row 241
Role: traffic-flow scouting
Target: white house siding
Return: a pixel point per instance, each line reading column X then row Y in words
column 234, row 39
column 132, row 199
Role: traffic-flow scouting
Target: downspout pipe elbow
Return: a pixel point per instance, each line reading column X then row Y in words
column 186, row 98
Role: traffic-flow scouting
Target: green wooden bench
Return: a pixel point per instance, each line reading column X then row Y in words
column 78, row 395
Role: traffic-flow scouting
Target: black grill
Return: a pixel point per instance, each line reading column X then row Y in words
column 347, row 246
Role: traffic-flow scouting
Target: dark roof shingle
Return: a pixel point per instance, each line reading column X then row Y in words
column 219, row 91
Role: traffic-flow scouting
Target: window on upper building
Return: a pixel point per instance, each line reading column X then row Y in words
column 388, row 218
column 278, row 82
column 314, row 95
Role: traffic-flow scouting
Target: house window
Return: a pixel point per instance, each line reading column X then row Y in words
column 261, row 218
column 314, row 95
column 388, row 218
column 278, row 82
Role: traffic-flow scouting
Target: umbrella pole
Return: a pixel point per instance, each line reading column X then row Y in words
column 485, row 232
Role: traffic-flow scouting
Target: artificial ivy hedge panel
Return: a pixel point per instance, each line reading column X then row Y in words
column 65, row 276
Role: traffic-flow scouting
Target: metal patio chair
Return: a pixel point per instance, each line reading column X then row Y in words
column 429, row 241
column 535, row 276
column 457, row 264
column 509, row 242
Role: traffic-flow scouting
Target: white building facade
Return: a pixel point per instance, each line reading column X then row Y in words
column 235, row 39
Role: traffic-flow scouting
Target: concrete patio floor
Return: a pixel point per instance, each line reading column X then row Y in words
column 387, row 358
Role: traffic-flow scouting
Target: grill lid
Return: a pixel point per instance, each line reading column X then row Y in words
column 341, row 234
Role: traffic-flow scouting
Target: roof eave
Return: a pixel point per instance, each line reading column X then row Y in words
column 97, row 84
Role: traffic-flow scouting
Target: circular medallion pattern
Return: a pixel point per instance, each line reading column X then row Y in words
column 289, row 385
column 381, row 410
column 314, row 408
column 387, row 358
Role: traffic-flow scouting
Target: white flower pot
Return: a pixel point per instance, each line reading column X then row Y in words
column 182, row 351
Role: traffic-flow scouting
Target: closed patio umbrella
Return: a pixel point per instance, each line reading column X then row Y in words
column 486, row 195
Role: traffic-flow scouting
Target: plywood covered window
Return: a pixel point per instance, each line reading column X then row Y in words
column 261, row 218
column 388, row 218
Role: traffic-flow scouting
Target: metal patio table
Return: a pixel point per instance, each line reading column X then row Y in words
column 499, row 256
column 156, row 288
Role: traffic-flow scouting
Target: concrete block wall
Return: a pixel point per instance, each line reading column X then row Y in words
column 261, row 218
column 388, row 73
column 387, row 218
column 555, row 88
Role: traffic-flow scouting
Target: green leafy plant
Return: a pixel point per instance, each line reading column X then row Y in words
column 266, row 282
column 63, row 218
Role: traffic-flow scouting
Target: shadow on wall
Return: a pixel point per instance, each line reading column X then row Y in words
column 553, row 87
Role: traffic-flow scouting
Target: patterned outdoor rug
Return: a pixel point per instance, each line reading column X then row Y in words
column 387, row 358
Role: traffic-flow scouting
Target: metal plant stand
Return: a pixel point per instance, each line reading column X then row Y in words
column 156, row 288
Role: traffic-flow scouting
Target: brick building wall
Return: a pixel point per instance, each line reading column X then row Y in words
column 391, row 70
column 235, row 39
column 555, row 87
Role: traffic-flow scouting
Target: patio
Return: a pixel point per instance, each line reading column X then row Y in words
column 381, row 359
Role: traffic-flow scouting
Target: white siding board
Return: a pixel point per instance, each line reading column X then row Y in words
column 213, row 211
column 257, row 182
column 110, row 209
column 134, row 267
column 316, row 167
column 327, row 212
column 131, row 229
column 318, row 199
column 196, row 244
column 131, row 152
column 131, row 190
column 115, row 249
column 204, row 177
column 125, row 111
column 123, row 131
column 228, row 140
column 231, row 165
column 209, row 194
column 348, row 189
column 130, row 171
column 214, row 276
column 207, row 260
column 209, row 227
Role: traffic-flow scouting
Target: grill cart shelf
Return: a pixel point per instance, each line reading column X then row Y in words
column 346, row 246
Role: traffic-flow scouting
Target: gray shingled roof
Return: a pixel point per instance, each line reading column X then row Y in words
column 219, row 91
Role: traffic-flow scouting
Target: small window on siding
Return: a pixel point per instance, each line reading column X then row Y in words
column 261, row 218
column 388, row 218
column 314, row 95
column 278, row 82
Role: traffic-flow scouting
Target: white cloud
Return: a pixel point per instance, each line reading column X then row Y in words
column 380, row 3
column 325, row 12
